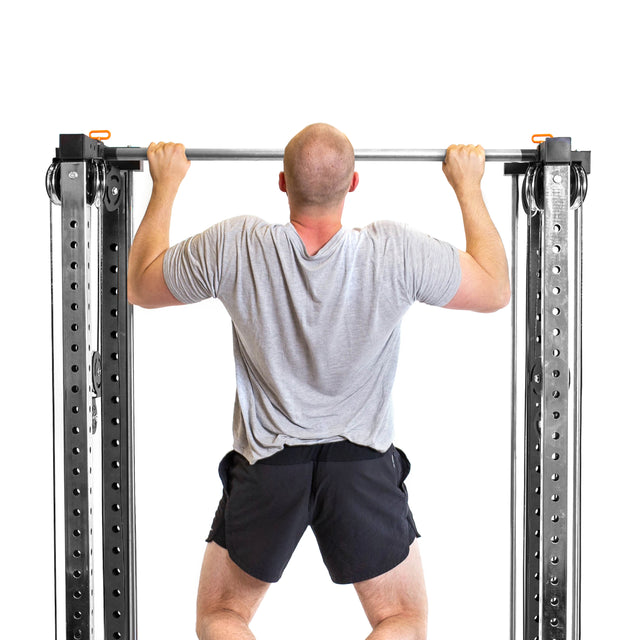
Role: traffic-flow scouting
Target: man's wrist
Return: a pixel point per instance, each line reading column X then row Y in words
column 469, row 192
column 164, row 190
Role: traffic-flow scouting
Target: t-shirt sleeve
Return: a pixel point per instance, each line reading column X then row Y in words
column 432, row 268
column 191, row 267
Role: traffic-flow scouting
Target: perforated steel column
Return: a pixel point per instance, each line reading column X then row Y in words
column 532, row 431
column 118, row 519
column 555, row 469
column 552, row 410
column 73, row 406
column 546, row 396
column 93, row 398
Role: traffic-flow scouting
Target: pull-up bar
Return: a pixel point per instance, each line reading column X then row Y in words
column 78, row 147
column 437, row 155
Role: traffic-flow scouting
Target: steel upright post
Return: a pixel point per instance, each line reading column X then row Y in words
column 92, row 388
column 118, row 494
column 556, row 542
column 553, row 191
column 73, row 345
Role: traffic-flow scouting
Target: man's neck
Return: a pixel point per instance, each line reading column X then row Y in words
column 316, row 227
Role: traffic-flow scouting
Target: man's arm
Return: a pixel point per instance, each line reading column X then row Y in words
column 146, row 287
column 485, row 271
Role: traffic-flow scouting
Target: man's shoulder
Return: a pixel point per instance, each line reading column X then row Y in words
column 250, row 232
column 384, row 229
column 245, row 226
column 244, row 222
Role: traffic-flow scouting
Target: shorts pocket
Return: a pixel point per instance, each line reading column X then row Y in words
column 403, row 467
column 223, row 471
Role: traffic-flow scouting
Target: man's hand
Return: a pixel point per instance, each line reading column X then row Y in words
column 464, row 167
column 168, row 164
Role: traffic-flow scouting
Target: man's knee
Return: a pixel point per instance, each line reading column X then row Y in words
column 416, row 622
column 227, row 596
column 214, row 622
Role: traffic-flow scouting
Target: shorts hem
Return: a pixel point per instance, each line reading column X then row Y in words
column 375, row 573
column 250, row 572
column 234, row 558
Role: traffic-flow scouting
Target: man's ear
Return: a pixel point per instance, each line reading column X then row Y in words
column 354, row 181
column 282, row 183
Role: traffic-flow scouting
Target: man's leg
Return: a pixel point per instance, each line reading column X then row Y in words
column 227, row 597
column 396, row 601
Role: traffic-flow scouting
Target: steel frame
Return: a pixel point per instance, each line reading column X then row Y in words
column 92, row 326
column 90, row 187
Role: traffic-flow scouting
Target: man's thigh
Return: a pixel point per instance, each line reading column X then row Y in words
column 224, row 586
column 400, row 591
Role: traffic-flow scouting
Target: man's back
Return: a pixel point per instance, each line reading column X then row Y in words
column 316, row 337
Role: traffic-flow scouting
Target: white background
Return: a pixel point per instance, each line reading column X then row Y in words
column 251, row 74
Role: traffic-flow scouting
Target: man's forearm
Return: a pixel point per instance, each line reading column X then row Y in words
column 152, row 237
column 483, row 240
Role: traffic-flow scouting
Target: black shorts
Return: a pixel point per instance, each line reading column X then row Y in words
column 353, row 497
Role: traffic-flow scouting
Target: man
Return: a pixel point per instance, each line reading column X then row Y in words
column 316, row 312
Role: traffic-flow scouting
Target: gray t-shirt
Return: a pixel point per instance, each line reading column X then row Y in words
column 315, row 338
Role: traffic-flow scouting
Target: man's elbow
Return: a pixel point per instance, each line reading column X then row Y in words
column 134, row 299
column 135, row 294
column 137, row 301
column 149, row 293
column 500, row 299
column 145, row 302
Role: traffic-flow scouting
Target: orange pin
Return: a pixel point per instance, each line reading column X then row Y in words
column 100, row 134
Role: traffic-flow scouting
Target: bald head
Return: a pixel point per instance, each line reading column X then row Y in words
column 318, row 166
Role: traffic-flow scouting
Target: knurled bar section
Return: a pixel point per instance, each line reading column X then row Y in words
column 532, row 431
column 76, row 407
column 117, row 433
column 555, row 403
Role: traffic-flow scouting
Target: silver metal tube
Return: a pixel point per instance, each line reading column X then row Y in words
column 514, row 398
column 402, row 155
column 577, row 426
